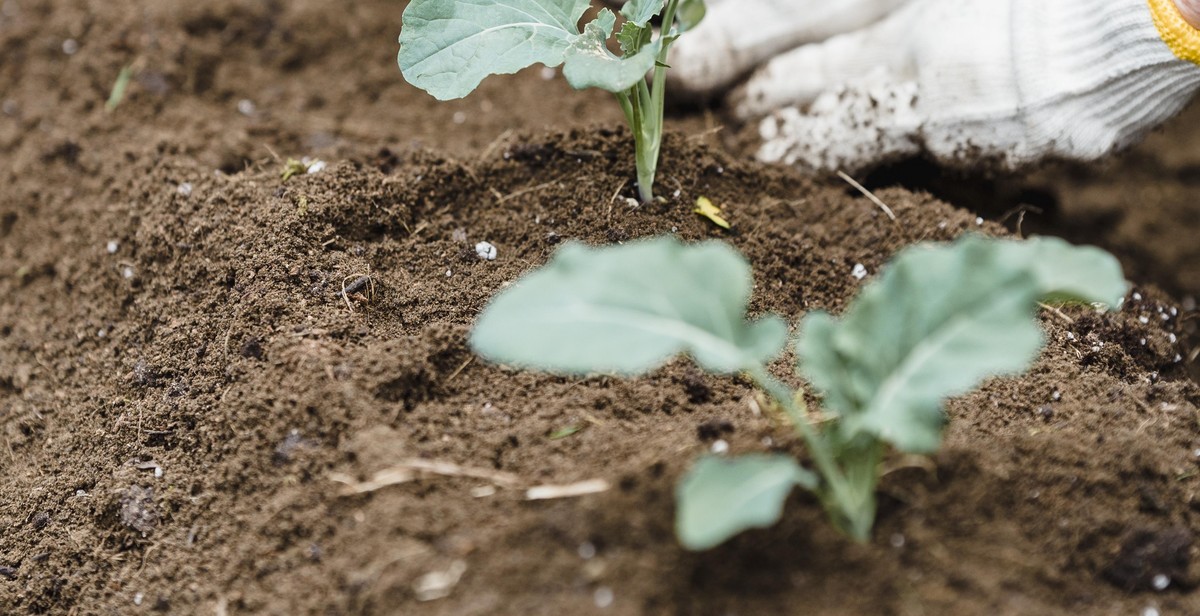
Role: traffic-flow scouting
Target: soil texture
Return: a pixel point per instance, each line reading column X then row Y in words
column 204, row 366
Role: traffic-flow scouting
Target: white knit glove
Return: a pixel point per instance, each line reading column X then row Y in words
column 1009, row 81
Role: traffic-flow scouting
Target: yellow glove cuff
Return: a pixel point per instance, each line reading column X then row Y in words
column 1177, row 33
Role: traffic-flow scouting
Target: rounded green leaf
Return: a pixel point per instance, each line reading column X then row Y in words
column 936, row 323
column 628, row 309
column 447, row 47
column 720, row 498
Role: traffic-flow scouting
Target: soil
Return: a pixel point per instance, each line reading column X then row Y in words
column 196, row 355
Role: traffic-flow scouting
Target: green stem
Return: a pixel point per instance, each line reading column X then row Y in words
column 649, row 112
column 849, row 495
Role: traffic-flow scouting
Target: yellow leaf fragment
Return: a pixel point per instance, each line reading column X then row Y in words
column 705, row 208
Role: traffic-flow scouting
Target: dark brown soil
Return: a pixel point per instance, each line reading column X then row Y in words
column 169, row 302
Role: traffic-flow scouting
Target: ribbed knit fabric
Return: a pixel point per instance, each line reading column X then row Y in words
column 1013, row 81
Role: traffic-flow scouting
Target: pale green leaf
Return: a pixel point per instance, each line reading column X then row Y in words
column 640, row 12
column 628, row 309
column 589, row 63
column 720, row 498
column 447, row 47
column 689, row 14
column 936, row 323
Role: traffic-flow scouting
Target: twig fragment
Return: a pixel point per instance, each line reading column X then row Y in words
column 868, row 194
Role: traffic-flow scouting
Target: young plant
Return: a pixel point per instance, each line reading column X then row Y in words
column 447, row 47
column 935, row 323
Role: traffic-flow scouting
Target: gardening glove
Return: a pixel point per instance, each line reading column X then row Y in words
column 966, row 81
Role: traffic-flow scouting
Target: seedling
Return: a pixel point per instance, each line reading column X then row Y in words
column 935, row 323
column 447, row 48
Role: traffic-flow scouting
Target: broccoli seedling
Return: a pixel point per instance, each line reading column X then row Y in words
column 447, row 48
column 937, row 322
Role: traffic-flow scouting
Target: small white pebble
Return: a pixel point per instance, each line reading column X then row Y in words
column 674, row 229
column 1151, row 611
column 1174, row 311
column 483, row 491
column 112, row 247
column 1144, row 319
column 1161, row 582
column 1137, row 297
column 1172, row 338
column 979, row 221
column 1178, row 358
column 448, row 273
column 587, row 550
column 81, row 493
column 317, row 166
column 859, row 271
column 158, row 472
column 603, row 597
column 720, row 170
column 247, row 107
column 459, row 117
column 1166, row 317
column 486, row 251
column 184, row 189
column 1070, row 336
column 548, row 73
column 632, row 203
column 70, row 47
column 897, row 540
column 942, row 225
column 1196, row 453
column 126, row 272
column 138, row 598
column 677, row 193
column 1143, row 341
column 1056, row 395
column 720, row 446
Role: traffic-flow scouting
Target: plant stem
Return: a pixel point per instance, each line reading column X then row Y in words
column 850, row 492
column 644, row 110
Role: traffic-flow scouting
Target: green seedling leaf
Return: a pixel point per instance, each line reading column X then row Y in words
column 292, row 168
column 589, row 64
column 633, row 37
column 935, row 324
column 447, row 47
column 564, row 433
column 720, row 498
column 628, row 309
column 120, row 86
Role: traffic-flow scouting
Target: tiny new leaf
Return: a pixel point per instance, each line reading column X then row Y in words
column 935, row 324
column 720, row 498
column 628, row 309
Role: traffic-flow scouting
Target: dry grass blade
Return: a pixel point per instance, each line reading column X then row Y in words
column 868, row 194
column 583, row 488
column 410, row 470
